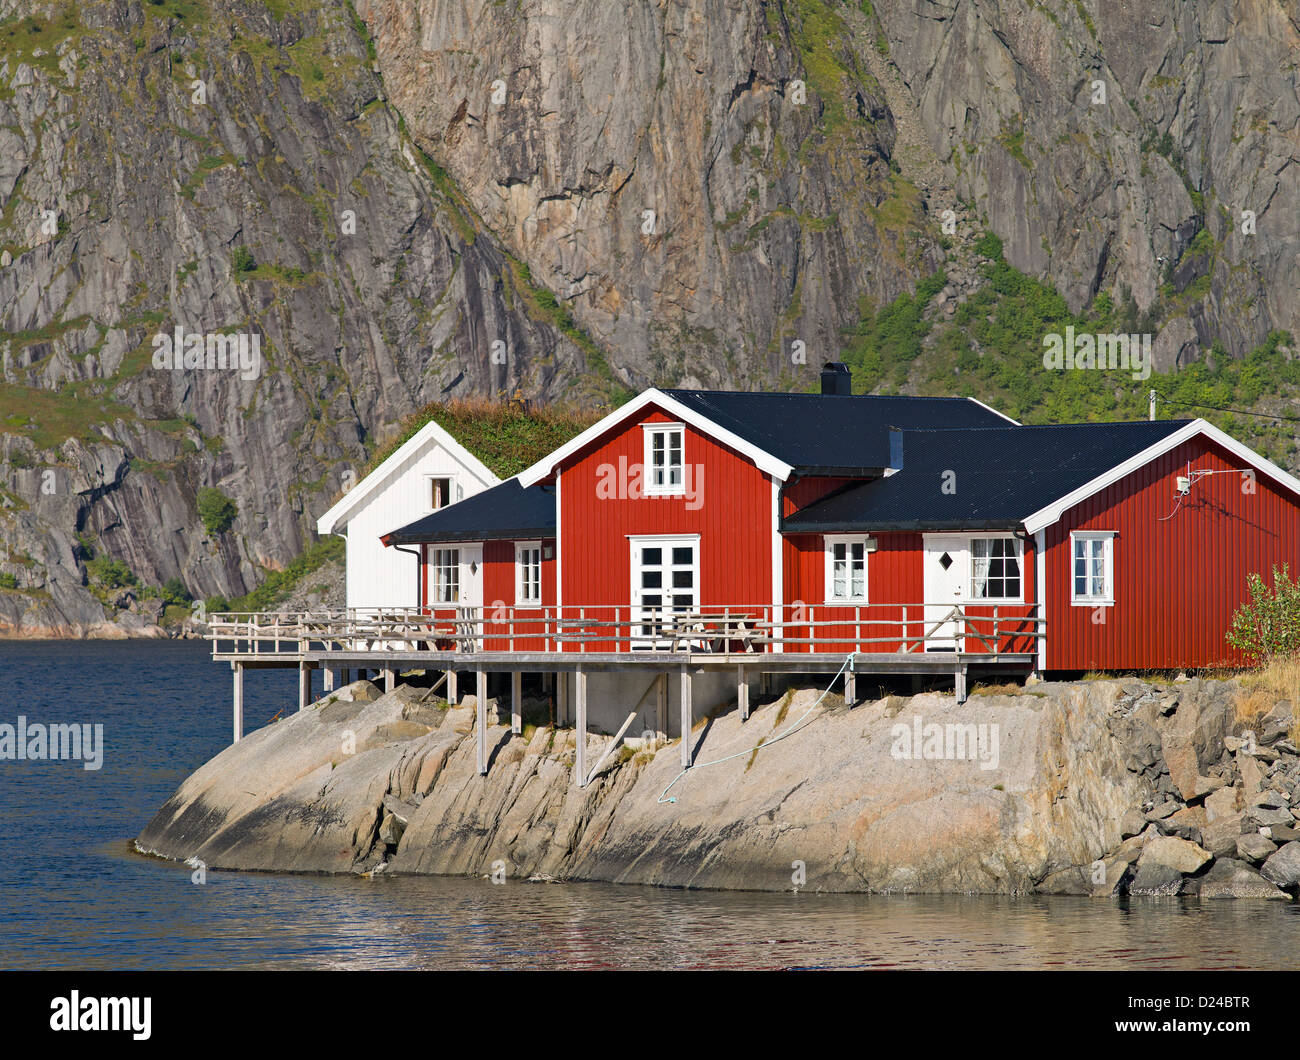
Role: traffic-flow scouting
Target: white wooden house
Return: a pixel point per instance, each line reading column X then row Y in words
column 429, row 471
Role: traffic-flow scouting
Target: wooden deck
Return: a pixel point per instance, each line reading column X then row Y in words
column 581, row 641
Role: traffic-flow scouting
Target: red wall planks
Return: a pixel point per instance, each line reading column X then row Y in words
column 1177, row 579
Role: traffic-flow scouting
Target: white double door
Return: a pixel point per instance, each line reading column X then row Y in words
column 946, row 561
column 665, row 582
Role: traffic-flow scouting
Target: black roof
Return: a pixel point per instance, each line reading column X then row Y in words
column 831, row 433
column 507, row 510
column 1000, row 477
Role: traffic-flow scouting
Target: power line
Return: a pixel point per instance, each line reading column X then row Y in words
column 1225, row 408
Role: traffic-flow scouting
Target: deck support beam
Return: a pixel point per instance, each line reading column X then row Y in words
column 561, row 699
column 580, row 761
column 959, row 684
column 327, row 678
column 516, row 702
column 390, row 678
column 346, row 679
column 850, row 688
column 480, row 702
column 452, row 697
column 238, row 709
column 686, row 717
column 742, row 692
column 304, row 686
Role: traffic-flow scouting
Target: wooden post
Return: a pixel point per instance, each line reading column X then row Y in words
column 390, row 678
column 661, row 706
column 238, row 669
column 686, row 717
column 763, row 680
column 516, row 702
column 347, row 675
column 304, row 686
column 561, row 698
column 452, row 696
column 480, row 703
column 742, row 692
column 850, row 687
column 327, row 678
column 959, row 683
column 580, row 763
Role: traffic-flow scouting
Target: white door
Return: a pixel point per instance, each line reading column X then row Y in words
column 471, row 575
column 665, row 581
column 947, row 567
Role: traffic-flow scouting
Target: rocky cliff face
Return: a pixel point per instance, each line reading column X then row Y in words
column 404, row 200
column 1096, row 788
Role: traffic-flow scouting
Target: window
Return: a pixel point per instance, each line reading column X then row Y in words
column 446, row 575
column 995, row 569
column 440, row 492
column 528, row 574
column 846, row 570
column 663, row 459
column 1093, row 562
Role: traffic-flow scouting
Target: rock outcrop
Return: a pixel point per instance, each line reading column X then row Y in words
column 1020, row 793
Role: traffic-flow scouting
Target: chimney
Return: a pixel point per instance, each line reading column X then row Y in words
column 895, row 449
column 836, row 378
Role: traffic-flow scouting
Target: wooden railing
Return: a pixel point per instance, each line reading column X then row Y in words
column 835, row 628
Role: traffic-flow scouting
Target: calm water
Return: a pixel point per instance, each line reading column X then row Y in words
column 73, row 896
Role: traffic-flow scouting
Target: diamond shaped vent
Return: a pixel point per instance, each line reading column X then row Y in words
column 945, row 561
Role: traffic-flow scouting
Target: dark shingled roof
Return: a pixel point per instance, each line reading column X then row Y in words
column 503, row 511
column 830, row 433
column 1003, row 475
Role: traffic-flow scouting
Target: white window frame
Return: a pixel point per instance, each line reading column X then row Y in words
column 1107, row 537
column 648, row 486
column 977, row 601
column 522, row 547
column 438, row 564
column 828, row 545
column 454, row 489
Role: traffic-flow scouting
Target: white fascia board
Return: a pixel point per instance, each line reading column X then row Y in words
column 430, row 432
column 1054, row 511
column 765, row 461
column 995, row 412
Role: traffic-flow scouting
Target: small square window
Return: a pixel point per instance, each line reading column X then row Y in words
column 1092, row 567
column 664, row 463
column 440, row 494
column 846, row 570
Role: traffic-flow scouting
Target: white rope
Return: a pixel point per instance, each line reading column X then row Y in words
column 848, row 660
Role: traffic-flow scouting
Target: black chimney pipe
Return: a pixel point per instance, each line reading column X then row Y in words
column 836, row 378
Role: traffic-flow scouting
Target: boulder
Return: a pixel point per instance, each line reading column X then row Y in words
column 1227, row 878
column 1222, row 803
column 1254, row 848
column 1155, row 879
column 1162, row 810
column 1283, row 868
column 1220, row 836
column 1132, row 823
column 1266, row 816
column 1280, row 833
column 1206, row 785
column 1177, row 854
column 1186, row 823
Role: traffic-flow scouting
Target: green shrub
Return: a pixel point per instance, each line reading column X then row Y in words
column 110, row 573
column 1268, row 624
column 8, row 581
column 174, row 593
column 216, row 510
column 242, row 261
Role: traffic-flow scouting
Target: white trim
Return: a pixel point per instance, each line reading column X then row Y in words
column 1108, row 561
column 994, row 411
column 648, row 487
column 778, row 569
column 530, row 476
column 520, row 546
column 994, row 601
column 829, row 541
column 638, row 542
column 1050, row 514
column 430, row 432
column 1040, row 593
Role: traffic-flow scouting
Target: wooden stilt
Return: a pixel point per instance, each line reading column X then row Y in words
column 686, row 717
column 327, row 678
column 304, row 686
column 661, row 706
column 347, row 675
column 742, row 692
column 561, row 699
column 480, row 700
column 516, row 702
column 390, row 678
column 850, row 687
column 580, row 764
column 763, row 685
column 453, row 696
column 959, row 684
column 238, row 669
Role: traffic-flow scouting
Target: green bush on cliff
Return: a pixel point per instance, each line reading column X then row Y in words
column 1268, row 624
column 110, row 573
column 216, row 510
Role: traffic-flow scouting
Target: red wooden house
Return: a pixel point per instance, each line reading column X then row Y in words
column 894, row 527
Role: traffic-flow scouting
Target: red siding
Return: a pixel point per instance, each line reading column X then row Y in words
column 804, row 491
column 732, row 513
column 1176, row 580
